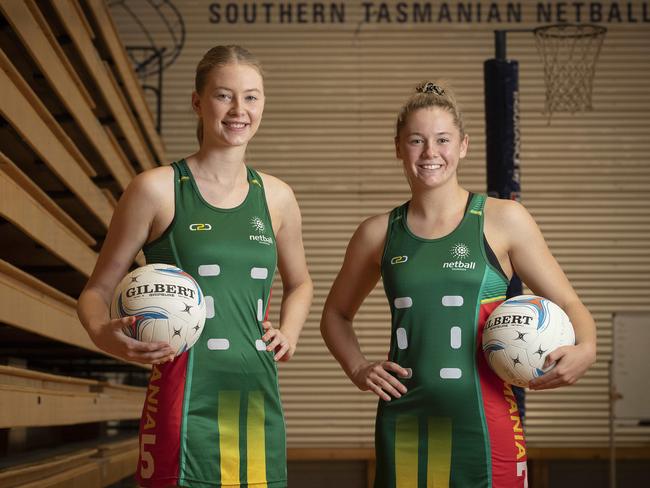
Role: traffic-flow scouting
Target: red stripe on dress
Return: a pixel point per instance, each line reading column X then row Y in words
column 160, row 425
column 268, row 306
column 507, row 444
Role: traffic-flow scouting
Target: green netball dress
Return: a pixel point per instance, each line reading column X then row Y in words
column 213, row 418
column 458, row 425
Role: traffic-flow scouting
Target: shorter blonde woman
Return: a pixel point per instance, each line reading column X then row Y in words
column 446, row 257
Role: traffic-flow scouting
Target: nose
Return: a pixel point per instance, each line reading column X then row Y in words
column 428, row 150
column 236, row 106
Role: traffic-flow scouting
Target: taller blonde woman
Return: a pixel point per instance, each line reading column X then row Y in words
column 213, row 415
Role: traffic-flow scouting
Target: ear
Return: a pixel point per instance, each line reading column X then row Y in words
column 196, row 103
column 397, row 151
column 464, row 144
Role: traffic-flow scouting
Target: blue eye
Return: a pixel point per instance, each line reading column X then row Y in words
column 443, row 140
column 416, row 141
column 251, row 98
column 223, row 96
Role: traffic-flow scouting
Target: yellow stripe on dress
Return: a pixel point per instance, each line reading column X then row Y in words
column 439, row 452
column 493, row 299
column 406, row 452
column 256, row 444
column 228, row 419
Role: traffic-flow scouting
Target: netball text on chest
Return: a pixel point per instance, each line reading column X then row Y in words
column 261, row 239
column 459, row 265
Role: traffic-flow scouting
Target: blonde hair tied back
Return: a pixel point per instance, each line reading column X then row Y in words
column 431, row 94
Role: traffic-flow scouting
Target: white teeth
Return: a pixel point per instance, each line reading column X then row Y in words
column 431, row 166
column 235, row 125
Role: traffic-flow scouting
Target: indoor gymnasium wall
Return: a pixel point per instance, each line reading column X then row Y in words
column 336, row 74
column 75, row 128
column 334, row 83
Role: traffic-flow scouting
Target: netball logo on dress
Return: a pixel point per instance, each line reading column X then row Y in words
column 259, row 226
column 460, row 251
column 399, row 259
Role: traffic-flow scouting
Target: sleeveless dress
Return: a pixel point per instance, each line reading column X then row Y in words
column 213, row 417
column 458, row 425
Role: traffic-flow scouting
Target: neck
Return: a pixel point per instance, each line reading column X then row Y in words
column 434, row 202
column 224, row 165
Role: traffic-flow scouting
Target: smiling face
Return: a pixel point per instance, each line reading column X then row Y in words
column 230, row 104
column 430, row 146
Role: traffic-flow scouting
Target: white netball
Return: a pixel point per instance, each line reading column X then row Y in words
column 168, row 304
column 520, row 333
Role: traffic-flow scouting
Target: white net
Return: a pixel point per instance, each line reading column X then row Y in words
column 569, row 53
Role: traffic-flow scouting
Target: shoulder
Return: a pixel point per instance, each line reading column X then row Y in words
column 373, row 229
column 370, row 236
column 511, row 223
column 149, row 191
column 274, row 185
column 153, row 182
column 503, row 212
column 278, row 193
column 367, row 242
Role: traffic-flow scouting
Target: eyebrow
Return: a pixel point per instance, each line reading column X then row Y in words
column 437, row 133
column 230, row 89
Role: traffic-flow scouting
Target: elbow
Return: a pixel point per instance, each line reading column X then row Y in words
column 324, row 322
column 80, row 302
column 331, row 319
column 309, row 285
column 305, row 287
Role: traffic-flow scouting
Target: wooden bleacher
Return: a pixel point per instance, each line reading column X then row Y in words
column 100, row 466
column 35, row 399
column 32, row 399
column 74, row 130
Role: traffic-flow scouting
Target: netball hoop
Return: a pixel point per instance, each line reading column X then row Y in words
column 569, row 53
